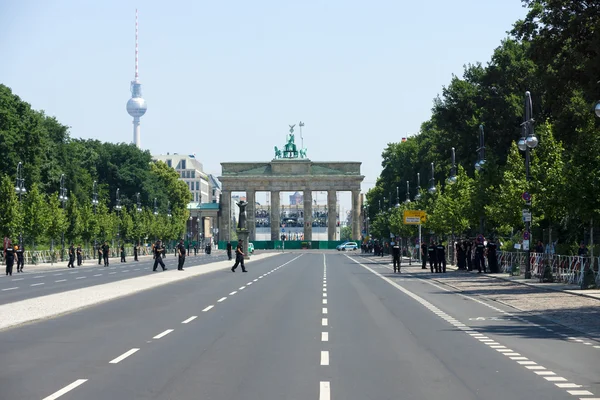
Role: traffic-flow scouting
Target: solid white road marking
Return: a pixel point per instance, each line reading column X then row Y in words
column 580, row 392
column 324, row 336
column 324, row 321
column 567, row 385
column 80, row 277
column 324, row 358
column 555, row 379
column 190, row 319
column 66, row 389
column 10, row 288
column 242, row 288
column 324, row 390
column 123, row 356
column 60, row 280
column 221, row 299
column 324, row 310
column 17, row 279
column 98, row 275
column 163, row 334
column 232, row 293
column 324, row 301
column 545, row 373
column 37, row 284
column 207, row 308
column 112, row 273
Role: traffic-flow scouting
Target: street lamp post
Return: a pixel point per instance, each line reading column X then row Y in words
column 432, row 181
column 155, row 218
column 452, row 178
column 94, row 206
column 479, row 167
column 138, row 210
column 62, row 197
column 527, row 142
column 397, row 197
column 118, row 208
column 418, row 194
column 20, row 190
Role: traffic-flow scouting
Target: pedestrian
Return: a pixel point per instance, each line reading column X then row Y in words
column 582, row 251
column 432, row 256
column 123, row 253
column 440, row 255
column 136, row 249
column 105, row 253
column 9, row 257
column 479, row 257
column 181, row 253
column 99, row 255
column 195, row 249
column 540, row 247
column 158, row 249
column 71, row 263
column 20, row 250
column 461, row 255
column 491, row 254
column 423, row 255
column 229, row 249
column 79, row 255
column 239, row 257
column 469, row 254
column 396, row 255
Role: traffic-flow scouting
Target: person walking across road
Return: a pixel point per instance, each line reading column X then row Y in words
column 99, row 255
column 158, row 249
column 491, row 255
column 9, row 257
column 136, row 249
column 479, row 255
column 440, row 255
column 79, row 255
column 239, row 257
column 105, row 253
column 432, row 256
column 229, row 249
column 71, row 263
column 123, row 253
column 181, row 253
column 396, row 255
column 20, row 250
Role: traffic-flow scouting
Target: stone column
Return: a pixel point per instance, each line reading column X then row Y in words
column 275, row 215
column 225, row 216
column 331, row 214
column 251, row 214
column 308, row 218
column 356, row 215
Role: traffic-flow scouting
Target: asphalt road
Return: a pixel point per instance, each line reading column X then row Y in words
column 33, row 283
column 297, row 326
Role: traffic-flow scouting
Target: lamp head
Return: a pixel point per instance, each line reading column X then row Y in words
column 532, row 141
column 521, row 144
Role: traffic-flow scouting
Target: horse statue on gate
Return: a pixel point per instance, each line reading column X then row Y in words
column 277, row 152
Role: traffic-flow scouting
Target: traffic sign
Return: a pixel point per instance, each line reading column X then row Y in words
column 526, row 215
column 282, row 229
column 526, row 196
column 526, row 235
column 414, row 217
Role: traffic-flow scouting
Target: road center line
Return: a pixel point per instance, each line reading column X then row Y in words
column 163, row 334
column 324, row 336
column 208, row 308
column 80, row 277
column 242, row 288
column 324, row 310
column 324, row 301
column 66, row 389
column 232, row 293
column 98, row 275
column 10, row 288
column 60, row 280
column 221, row 299
column 324, row 390
column 37, row 284
column 324, row 357
column 190, row 319
column 324, row 322
column 123, row 356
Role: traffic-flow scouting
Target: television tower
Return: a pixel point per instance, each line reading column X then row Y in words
column 136, row 106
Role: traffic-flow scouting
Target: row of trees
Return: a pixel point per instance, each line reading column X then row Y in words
column 44, row 147
column 552, row 53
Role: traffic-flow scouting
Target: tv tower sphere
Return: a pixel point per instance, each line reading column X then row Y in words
column 136, row 107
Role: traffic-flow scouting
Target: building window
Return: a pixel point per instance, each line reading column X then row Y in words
column 170, row 163
column 182, row 164
column 197, row 185
column 193, row 174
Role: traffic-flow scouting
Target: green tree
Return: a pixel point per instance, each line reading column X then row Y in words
column 346, row 233
column 75, row 226
column 57, row 219
column 37, row 216
column 89, row 223
column 11, row 218
column 126, row 225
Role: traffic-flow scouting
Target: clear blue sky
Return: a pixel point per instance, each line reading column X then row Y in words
column 224, row 79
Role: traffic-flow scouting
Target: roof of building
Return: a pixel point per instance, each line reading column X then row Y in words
column 203, row 206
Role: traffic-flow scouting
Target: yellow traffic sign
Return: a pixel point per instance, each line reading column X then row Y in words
column 414, row 217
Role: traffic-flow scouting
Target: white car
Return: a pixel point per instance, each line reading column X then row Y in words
column 347, row 246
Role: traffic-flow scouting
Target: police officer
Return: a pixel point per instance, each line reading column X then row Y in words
column 9, row 257
column 123, row 253
column 158, row 250
column 136, row 248
column 79, row 255
column 20, row 250
column 181, row 253
column 105, row 253
column 491, row 254
column 440, row 254
column 396, row 255
column 423, row 255
column 239, row 256
column 229, row 250
column 99, row 255
column 469, row 254
column 479, row 258
column 71, row 256
column 432, row 256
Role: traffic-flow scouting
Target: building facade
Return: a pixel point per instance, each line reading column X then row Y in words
column 191, row 172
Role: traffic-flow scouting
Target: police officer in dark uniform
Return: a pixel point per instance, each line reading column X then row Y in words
column 239, row 257
column 9, row 257
column 123, row 253
column 71, row 263
column 440, row 255
column 181, row 253
column 479, row 258
column 136, row 249
column 105, row 253
column 469, row 254
column 396, row 255
column 99, row 255
column 158, row 250
column 20, row 250
column 229, row 248
column 423, row 255
column 79, row 255
column 491, row 254
column 432, row 256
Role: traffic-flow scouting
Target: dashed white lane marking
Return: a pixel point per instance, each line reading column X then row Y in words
column 324, row 310
column 324, row 357
column 565, row 385
column 58, row 274
column 163, row 334
column 249, row 283
column 542, row 373
column 74, row 272
column 10, row 288
column 80, row 277
column 580, row 392
column 60, row 280
column 208, row 308
column 242, row 288
column 39, row 276
column 535, row 367
column 232, row 293
column 324, row 322
column 324, row 336
column 17, row 279
column 324, row 294
column 221, row 299
column 123, row 356
column 125, row 270
column 112, row 273
column 255, row 280
column 37, row 284
column 190, row 319
column 66, row 389
column 98, row 275
column 324, row 390
column 324, row 301
column 555, row 379
column 324, row 289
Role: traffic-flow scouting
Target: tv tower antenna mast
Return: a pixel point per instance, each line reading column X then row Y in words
column 136, row 106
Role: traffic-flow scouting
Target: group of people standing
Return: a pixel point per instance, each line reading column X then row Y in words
column 469, row 253
column 436, row 254
column 12, row 253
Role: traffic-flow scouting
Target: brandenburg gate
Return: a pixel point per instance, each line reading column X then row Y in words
column 290, row 171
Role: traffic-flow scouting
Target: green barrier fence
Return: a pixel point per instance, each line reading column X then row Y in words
column 289, row 244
